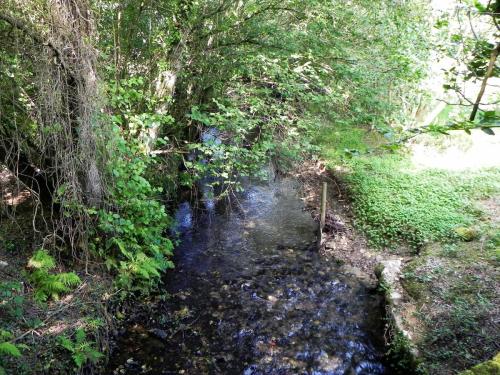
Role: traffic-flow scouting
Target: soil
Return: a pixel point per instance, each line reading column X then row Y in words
column 341, row 240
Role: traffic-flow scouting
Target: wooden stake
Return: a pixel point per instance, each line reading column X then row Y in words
column 323, row 206
column 322, row 215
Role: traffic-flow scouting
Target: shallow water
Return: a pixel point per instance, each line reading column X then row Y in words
column 250, row 295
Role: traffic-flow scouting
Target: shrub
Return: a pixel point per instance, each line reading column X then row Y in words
column 131, row 230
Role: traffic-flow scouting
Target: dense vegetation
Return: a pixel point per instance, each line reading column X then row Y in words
column 105, row 107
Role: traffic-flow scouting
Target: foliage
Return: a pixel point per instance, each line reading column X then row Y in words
column 8, row 349
column 82, row 350
column 48, row 285
column 256, row 73
column 130, row 231
column 255, row 70
column 11, row 302
column 394, row 204
column 401, row 353
column 468, row 37
column 259, row 120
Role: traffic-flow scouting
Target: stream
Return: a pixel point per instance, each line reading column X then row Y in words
column 251, row 295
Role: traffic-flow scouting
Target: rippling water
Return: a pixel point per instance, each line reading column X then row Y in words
column 250, row 296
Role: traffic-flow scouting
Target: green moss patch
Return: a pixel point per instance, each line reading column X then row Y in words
column 491, row 367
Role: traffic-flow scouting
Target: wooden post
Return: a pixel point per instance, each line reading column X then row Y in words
column 322, row 214
column 323, row 206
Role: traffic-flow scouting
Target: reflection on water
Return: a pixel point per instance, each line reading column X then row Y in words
column 251, row 296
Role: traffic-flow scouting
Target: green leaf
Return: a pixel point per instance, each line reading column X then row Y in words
column 10, row 349
column 66, row 343
column 79, row 359
column 80, row 335
column 488, row 131
column 41, row 260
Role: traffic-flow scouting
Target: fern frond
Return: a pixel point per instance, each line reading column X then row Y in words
column 80, row 336
column 41, row 260
column 70, row 279
column 66, row 343
column 5, row 335
column 7, row 348
column 40, row 295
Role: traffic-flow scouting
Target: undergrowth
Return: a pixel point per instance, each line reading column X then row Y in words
column 131, row 228
column 49, row 285
column 394, row 204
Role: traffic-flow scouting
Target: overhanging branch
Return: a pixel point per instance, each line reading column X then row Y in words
column 29, row 31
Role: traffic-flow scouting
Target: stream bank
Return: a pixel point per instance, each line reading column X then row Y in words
column 442, row 296
column 347, row 246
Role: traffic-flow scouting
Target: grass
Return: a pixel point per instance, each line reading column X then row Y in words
column 394, row 203
column 457, row 301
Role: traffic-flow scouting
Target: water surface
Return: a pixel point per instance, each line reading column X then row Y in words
column 250, row 295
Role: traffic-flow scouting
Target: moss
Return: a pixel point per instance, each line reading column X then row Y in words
column 414, row 288
column 378, row 270
column 466, row 233
column 491, row 367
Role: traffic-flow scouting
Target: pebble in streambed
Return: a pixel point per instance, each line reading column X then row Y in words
column 248, row 296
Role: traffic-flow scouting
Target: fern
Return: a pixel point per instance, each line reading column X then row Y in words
column 69, row 279
column 49, row 285
column 41, row 260
column 82, row 350
column 9, row 349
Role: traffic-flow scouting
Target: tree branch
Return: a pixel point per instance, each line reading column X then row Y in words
column 489, row 73
column 26, row 29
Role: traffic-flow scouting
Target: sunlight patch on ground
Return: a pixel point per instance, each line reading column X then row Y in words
column 12, row 191
column 457, row 151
